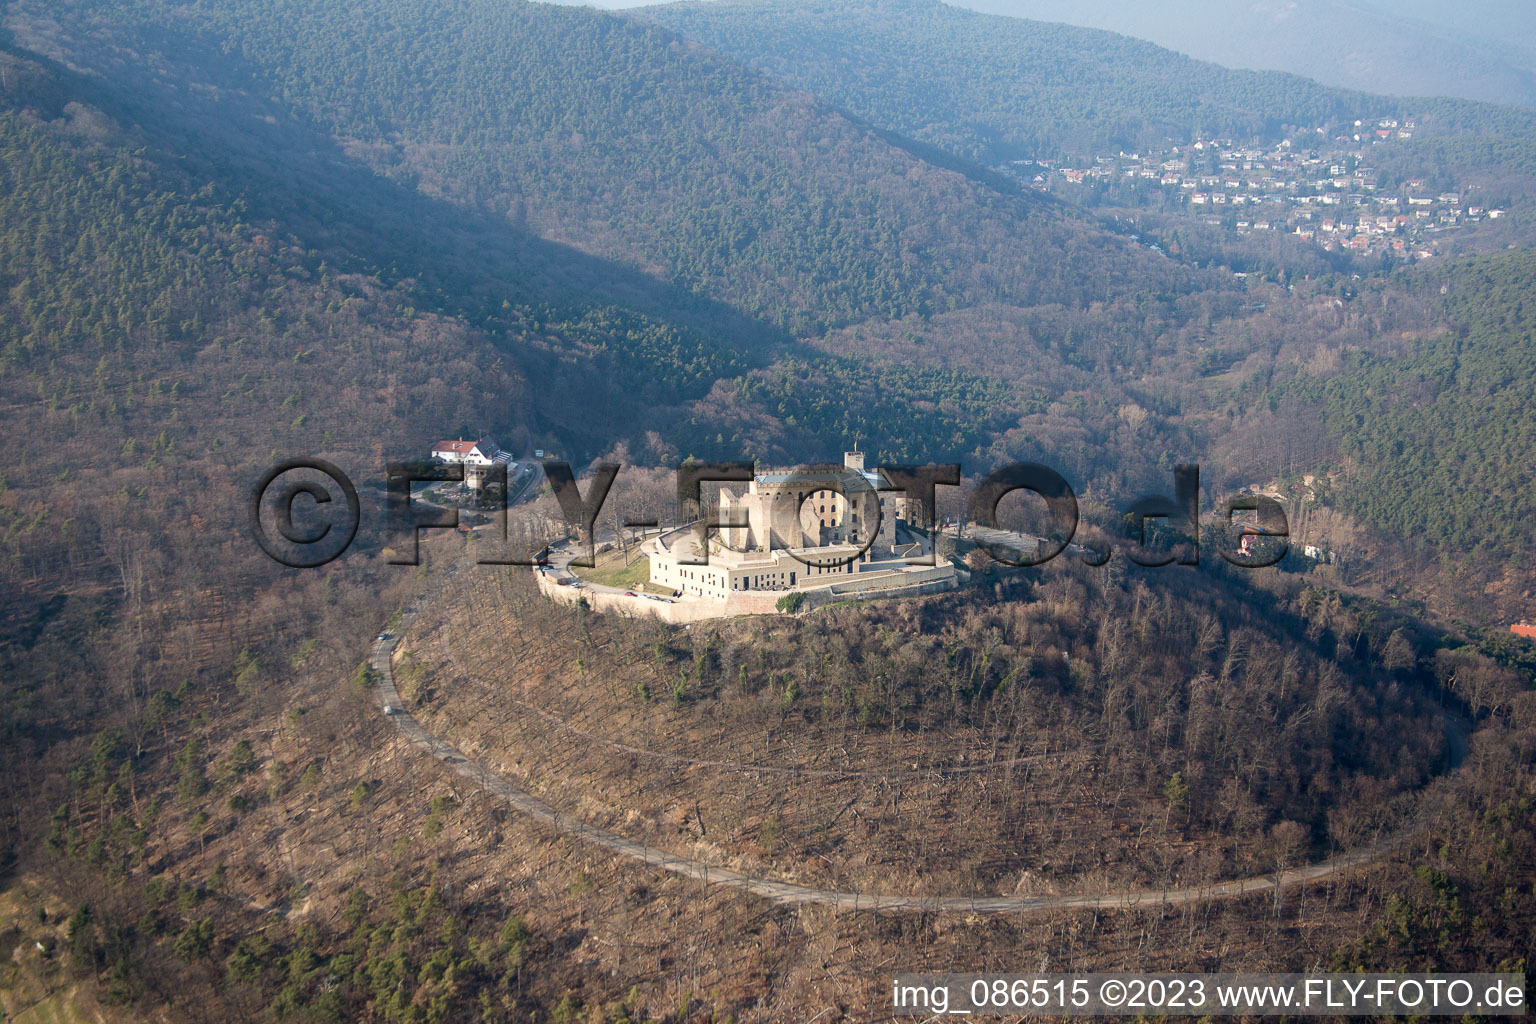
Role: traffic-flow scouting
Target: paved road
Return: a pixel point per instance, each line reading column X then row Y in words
column 560, row 555
column 788, row 892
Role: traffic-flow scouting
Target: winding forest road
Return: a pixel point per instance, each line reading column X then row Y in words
column 790, row 893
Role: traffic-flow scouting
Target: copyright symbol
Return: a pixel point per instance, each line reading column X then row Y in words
column 319, row 539
column 1112, row 992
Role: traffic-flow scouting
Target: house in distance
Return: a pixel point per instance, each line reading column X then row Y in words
column 475, row 456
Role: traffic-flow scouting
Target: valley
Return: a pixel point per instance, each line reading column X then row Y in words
column 236, row 233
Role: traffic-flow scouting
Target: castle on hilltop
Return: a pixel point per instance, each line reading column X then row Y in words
column 842, row 529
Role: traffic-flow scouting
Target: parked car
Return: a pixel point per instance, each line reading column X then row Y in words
column 389, row 709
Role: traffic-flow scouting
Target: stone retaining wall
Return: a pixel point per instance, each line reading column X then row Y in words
column 934, row 580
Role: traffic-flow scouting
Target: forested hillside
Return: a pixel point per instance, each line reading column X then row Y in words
column 617, row 138
column 158, row 348
column 1444, row 435
column 711, row 214
column 235, row 231
column 739, row 214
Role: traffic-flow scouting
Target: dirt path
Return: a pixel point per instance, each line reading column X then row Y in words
column 788, row 892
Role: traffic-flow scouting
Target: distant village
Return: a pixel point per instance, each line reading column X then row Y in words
column 1327, row 194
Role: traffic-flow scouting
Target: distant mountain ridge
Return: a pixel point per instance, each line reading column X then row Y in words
column 1404, row 49
column 992, row 88
column 612, row 136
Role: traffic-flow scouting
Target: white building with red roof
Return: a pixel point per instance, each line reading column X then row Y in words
column 471, row 453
